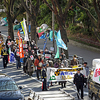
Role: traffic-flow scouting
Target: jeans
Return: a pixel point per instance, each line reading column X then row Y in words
column 38, row 72
column 18, row 64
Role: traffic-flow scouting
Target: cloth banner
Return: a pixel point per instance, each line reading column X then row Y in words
column 12, row 58
column 25, row 30
column 45, row 42
column 22, row 24
column 96, row 74
column 20, row 46
column 57, row 54
column 60, row 42
column 61, row 74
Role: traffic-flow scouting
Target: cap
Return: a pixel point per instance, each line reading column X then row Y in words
column 78, row 69
column 43, row 65
column 85, row 62
column 3, row 45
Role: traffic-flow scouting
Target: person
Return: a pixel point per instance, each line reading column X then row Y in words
column 24, row 62
column 63, row 83
column 29, row 51
column 8, row 42
column 74, row 61
column 4, row 55
column 17, row 56
column 79, row 82
column 56, row 64
column 29, row 64
column 38, row 63
column 87, row 72
column 43, row 76
column 1, row 37
column 1, row 43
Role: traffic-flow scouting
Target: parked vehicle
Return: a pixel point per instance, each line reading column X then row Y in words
column 8, row 89
column 94, row 80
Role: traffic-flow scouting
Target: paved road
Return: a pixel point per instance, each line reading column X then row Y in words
column 31, row 82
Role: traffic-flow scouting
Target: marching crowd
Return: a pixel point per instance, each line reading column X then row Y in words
column 37, row 60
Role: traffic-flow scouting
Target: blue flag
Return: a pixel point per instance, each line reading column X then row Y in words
column 60, row 42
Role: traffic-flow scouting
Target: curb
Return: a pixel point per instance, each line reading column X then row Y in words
column 83, row 46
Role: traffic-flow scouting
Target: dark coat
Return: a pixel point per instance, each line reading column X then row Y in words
column 29, row 63
column 79, row 79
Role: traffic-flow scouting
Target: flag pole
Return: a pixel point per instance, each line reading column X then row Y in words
column 53, row 29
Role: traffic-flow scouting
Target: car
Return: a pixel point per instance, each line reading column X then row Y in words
column 8, row 89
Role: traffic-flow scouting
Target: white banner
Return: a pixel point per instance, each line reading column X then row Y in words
column 96, row 74
column 26, row 33
column 61, row 74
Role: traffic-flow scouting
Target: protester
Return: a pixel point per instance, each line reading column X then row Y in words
column 43, row 75
column 24, row 62
column 1, row 43
column 79, row 82
column 56, row 65
column 1, row 37
column 17, row 56
column 4, row 54
column 74, row 61
column 63, row 83
column 29, row 64
column 8, row 42
column 38, row 63
column 87, row 72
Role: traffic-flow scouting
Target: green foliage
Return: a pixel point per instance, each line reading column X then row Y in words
column 74, row 29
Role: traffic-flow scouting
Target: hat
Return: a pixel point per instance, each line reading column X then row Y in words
column 43, row 65
column 75, row 55
column 3, row 45
column 85, row 62
column 78, row 69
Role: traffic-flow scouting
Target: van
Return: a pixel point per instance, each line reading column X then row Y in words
column 94, row 80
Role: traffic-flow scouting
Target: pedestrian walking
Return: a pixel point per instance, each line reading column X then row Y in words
column 87, row 73
column 4, row 55
column 29, row 64
column 17, row 56
column 38, row 63
column 79, row 82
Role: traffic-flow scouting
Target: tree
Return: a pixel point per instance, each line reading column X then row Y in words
column 13, row 9
column 89, row 6
column 60, row 9
column 32, row 12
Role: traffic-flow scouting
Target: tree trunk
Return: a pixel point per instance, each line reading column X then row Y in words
column 33, row 29
column 10, row 26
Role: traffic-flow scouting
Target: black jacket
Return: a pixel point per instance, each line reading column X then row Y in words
column 79, row 79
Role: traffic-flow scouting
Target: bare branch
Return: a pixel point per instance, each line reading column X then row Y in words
column 96, row 9
column 25, row 7
column 49, row 6
column 87, row 11
column 59, row 7
column 67, row 7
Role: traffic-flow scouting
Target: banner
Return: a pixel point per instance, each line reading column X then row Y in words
column 25, row 30
column 60, row 42
column 12, row 58
column 57, row 54
column 22, row 24
column 45, row 42
column 20, row 46
column 96, row 74
column 62, row 74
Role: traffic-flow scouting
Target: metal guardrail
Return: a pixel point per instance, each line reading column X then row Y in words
column 50, row 95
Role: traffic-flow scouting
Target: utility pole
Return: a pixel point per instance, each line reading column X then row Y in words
column 53, row 30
